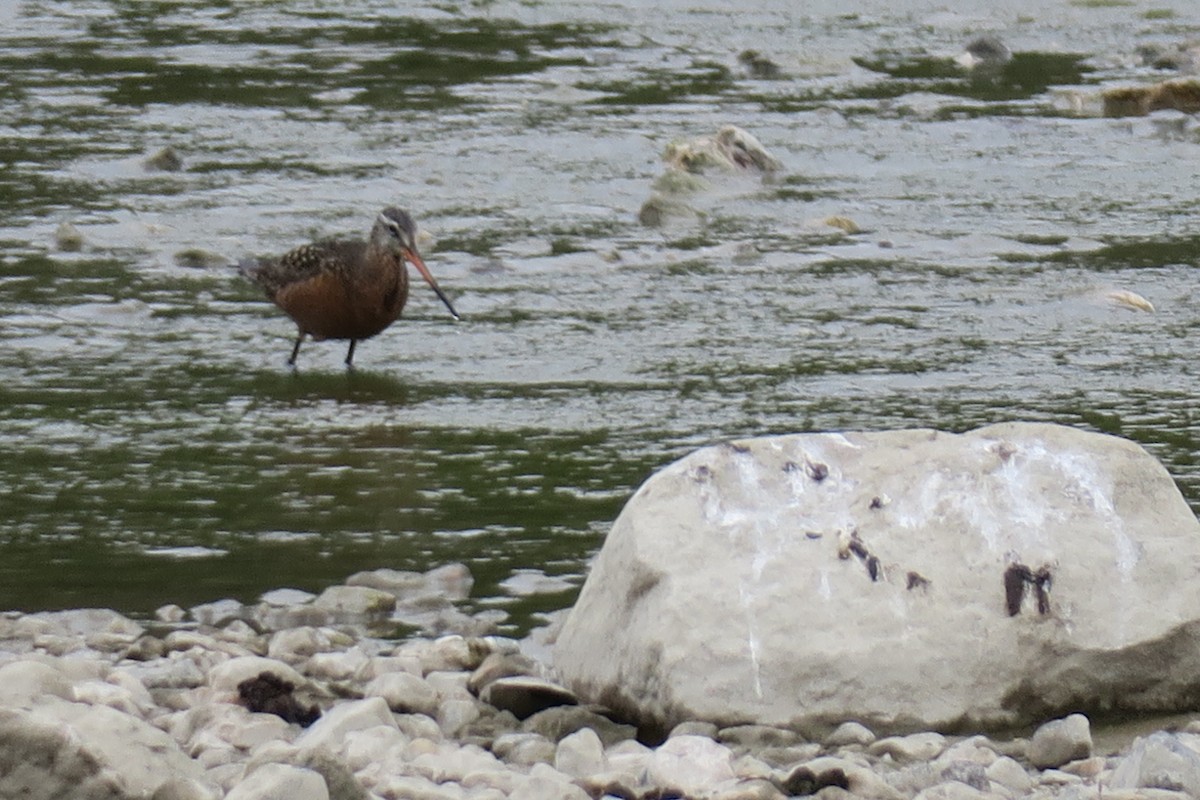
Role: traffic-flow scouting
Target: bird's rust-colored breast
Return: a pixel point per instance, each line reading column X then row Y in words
column 342, row 292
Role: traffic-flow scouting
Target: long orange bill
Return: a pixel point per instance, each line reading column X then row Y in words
column 416, row 261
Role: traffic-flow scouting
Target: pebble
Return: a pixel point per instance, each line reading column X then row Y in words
column 581, row 754
column 1061, row 740
column 1010, row 774
column 525, row 696
column 849, row 733
column 404, row 692
column 690, row 764
column 914, row 747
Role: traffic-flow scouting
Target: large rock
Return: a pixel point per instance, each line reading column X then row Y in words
column 906, row 580
column 60, row 750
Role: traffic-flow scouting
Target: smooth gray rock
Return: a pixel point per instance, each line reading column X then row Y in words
column 1161, row 761
column 849, row 733
column 354, row 715
column 690, row 764
column 24, row 683
column 355, row 603
column 405, row 693
column 60, row 749
column 946, row 580
column 1010, row 774
column 525, row 696
column 1059, row 741
column 581, row 754
column 914, row 747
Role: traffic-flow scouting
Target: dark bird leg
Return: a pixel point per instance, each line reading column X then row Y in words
column 296, row 350
column 350, row 353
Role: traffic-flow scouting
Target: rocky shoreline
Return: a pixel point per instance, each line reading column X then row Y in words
column 95, row 705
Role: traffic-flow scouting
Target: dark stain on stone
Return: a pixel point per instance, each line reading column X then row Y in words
column 856, row 545
column 1014, row 588
column 916, row 581
column 804, row 781
column 1017, row 579
column 817, row 471
column 270, row 694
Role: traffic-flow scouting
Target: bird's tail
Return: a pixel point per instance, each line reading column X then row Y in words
column 248, row 266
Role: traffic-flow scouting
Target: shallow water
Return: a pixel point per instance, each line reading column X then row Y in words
column 157, row 448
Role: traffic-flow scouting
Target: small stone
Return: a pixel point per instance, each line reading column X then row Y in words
column 218, row 613
column 165, row 160
column 418, row 726
column 336, row 666
column 353, row 603
column 297, row 644
column 172, row 673
column 524, row 696
column 453, row 581
column 1161, row 760
column 610, row 785
column 749, row 767
column 335, row 723
column 280, row 782
column 844, row 224
column 977, row 749
column 287, row 597
column 285, row 618
column 581, row 754
column 1086, row 768
column 695, row 727
column 915, row 747
column 545, row 783
column 786, row 758
column 23, row 683
column 454, row 715
column 690, row 764
column 500, row 665
column 405, row 693
column 1057, row 778
column 756, row 737
column 448, row 653
column 1010, row 774
column 524, row 749
column 849, row 733
column 968, row 772
column 170, row 613
column 199, row 258
column 450, row 684
column 1059, row 741
column 68, row 238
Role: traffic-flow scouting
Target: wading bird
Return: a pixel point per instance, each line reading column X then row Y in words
column 342, row 289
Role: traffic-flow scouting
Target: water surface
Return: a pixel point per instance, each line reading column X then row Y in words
column 157, row 448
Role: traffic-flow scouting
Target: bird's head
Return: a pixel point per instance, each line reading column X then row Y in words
column 396, row 232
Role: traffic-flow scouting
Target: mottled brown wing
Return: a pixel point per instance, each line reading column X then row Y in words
column 331, row 256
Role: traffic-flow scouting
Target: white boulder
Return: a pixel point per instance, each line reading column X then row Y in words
column 909, row 580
